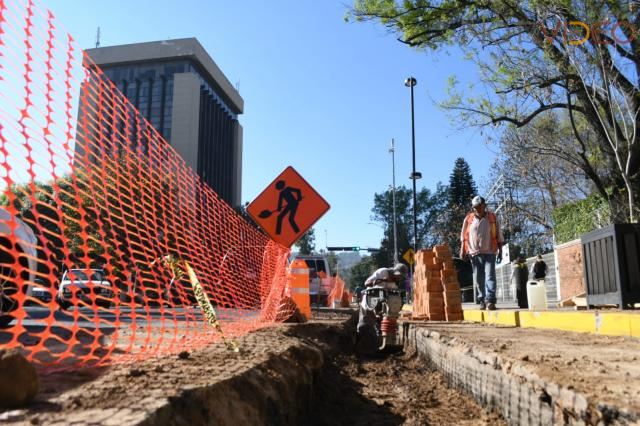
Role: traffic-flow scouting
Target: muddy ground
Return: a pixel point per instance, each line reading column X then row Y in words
column 215, row 386
column 603, row 368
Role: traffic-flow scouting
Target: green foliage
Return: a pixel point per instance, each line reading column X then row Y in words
column 361, row 271
column 462, row 188
column 574, row 219
column 332, row 259
column 524, row 72
column 307, row 243
column 429, row 208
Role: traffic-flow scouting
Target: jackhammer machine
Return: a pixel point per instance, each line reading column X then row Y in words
column 378, row 318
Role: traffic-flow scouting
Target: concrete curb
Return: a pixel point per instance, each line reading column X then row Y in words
column 596, row 322
column 507, row 387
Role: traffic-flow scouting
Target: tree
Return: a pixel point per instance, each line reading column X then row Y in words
column 429, row 210
column 536, row 183
column 530, row 64
column 307, row 243
column 462, row 189
column 361, row 271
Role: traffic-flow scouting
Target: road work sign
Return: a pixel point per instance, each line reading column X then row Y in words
column 287, row 208
column 408, row 256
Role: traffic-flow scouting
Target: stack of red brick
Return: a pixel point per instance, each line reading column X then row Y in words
column 436, row 288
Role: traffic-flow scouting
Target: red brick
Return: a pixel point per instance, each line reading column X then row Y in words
column 452, row 296
column 451, row 285
column 442, row 248
column 437, row 316
column 447, row 273
column 454, row 316
column 435, row 286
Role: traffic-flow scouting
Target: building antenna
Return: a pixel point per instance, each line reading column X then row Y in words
column 238, row 86
column 98, row 38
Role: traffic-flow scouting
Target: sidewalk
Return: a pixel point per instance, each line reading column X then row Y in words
column 609, row 322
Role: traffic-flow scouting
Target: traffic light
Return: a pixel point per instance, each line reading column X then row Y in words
column 354, row 248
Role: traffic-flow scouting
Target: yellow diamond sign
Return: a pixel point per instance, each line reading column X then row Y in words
column 408, row 256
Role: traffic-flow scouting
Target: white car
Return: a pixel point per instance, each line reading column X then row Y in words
column 41, row 290
column 85, row 286
column 23, row 253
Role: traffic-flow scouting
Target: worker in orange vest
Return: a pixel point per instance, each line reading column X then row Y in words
column 481, row 238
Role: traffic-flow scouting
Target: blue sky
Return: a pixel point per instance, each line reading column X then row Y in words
column 320, row 94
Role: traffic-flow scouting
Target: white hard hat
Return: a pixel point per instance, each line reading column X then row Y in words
column 477, row 200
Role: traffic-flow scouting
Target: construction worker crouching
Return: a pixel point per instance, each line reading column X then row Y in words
column 367, row 337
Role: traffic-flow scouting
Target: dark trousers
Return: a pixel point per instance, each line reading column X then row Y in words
column 521, row 294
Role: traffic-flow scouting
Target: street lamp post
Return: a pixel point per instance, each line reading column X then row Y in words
column 392, row 150
column 411, row 82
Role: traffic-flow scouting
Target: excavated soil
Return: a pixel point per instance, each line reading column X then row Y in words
column 394, row 390
column 287, row 374
column 603, row 368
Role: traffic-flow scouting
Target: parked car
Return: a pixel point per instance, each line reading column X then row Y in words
column 85, row 285
column 17, row 263
column 41, row 290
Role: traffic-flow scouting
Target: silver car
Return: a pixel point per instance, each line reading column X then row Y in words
column 85, row 286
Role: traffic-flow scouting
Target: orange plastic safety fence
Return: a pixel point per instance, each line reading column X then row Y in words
column 339, row 294
column 95, row 208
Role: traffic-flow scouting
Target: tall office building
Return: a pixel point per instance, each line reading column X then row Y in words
column 180, row 90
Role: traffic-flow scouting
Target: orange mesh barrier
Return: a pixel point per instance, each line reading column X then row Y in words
column 95, row 208
column 336, row 291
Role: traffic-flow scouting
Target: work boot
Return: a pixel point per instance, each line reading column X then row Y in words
column 491, row 306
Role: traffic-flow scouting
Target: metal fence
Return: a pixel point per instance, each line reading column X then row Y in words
column 506, row 291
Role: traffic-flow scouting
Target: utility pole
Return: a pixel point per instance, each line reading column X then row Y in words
column 410, row 82
column 392, row 150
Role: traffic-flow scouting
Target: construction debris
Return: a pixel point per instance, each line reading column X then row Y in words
column 577, row 300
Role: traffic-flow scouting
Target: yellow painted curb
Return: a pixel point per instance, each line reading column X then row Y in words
column 613, row 324
column 584, row 322
column 510, row 318
column 475, row 315
column 596, row 322
column 634, row 325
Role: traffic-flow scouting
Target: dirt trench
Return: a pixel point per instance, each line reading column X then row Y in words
column 398, row 389
column 294, row 374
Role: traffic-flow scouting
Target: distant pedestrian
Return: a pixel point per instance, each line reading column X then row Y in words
column 481, row 238
column 539, row 269
column 520, row 276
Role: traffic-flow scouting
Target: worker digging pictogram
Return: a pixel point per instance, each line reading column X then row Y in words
column 288, row 207
column 289, row 198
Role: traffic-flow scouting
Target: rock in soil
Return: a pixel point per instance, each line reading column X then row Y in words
column 18, row 379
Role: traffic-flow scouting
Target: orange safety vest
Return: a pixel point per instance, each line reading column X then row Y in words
column 494, row 230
